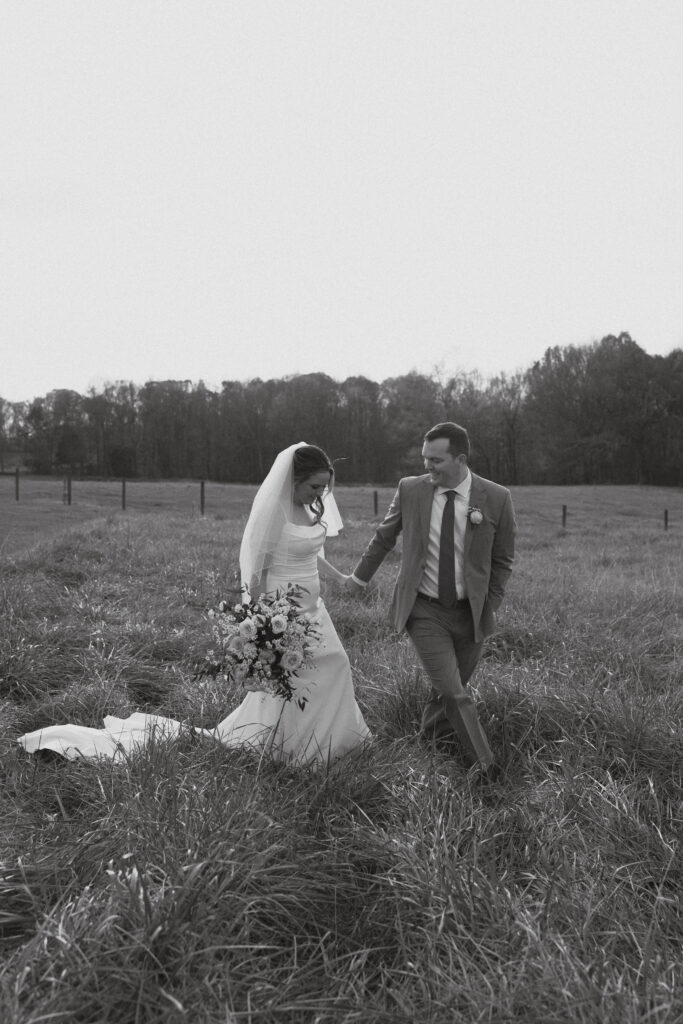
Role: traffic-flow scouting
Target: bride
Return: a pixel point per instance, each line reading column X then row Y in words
column 293, row 513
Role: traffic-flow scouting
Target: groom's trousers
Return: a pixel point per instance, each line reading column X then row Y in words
column 445, row 644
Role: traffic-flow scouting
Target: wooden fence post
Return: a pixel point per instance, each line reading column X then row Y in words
column 123, row 494
column 666, row 519
column 201, row 497
column 375, row 501
column 564, row 516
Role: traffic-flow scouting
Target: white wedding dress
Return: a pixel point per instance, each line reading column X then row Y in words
column 329, row 725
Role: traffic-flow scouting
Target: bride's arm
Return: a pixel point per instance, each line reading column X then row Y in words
column 329, row 571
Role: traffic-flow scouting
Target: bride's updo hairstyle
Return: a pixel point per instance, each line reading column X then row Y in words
column 307, row 460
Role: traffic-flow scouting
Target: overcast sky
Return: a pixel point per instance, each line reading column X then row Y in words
column 237, row 188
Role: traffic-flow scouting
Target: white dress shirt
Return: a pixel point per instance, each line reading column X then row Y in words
column 461, row 503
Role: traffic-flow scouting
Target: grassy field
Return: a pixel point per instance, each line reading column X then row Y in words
column 42, row 510
column 199, row 884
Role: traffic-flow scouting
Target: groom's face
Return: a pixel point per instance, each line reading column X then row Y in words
column 444, row 468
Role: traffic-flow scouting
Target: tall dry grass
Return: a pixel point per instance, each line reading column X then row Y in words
column 193, row 883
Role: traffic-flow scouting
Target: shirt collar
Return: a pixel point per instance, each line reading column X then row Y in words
column 463, row 488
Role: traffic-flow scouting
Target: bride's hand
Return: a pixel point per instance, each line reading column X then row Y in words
column 340, row 580
column 351, row 587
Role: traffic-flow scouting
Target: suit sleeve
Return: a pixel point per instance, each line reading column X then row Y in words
column 502, row 553
column 383, row 541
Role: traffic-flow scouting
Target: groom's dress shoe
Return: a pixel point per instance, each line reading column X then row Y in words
column 488, row 775
column 445, row 744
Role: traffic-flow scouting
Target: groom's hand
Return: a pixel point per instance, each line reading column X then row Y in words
column 353, row 588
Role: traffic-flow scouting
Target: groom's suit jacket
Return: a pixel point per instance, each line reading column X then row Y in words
column 489, row 548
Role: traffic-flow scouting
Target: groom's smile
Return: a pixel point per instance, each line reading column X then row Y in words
column 444, row 468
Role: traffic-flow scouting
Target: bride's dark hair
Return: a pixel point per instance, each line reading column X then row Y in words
column 307, row 460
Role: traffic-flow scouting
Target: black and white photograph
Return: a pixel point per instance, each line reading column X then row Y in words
column 341, row 511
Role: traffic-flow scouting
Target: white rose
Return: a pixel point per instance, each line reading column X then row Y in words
column 248, row 629
column 291, row 661
column 278, row 623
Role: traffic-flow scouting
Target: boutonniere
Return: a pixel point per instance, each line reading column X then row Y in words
column 475, row 515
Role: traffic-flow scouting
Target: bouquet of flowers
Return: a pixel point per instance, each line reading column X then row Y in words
column 262, row 644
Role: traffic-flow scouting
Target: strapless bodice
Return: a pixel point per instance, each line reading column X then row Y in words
column 295, row 560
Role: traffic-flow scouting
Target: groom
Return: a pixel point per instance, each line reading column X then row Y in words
column 458, row 550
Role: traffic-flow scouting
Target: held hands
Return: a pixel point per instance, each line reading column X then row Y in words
column 352, row 588
column 346, row 582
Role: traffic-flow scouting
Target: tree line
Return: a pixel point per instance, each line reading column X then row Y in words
column 605, row 413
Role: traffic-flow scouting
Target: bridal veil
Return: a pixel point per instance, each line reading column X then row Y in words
column 272, row 509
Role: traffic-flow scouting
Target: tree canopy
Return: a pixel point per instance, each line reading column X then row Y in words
column 601, row 413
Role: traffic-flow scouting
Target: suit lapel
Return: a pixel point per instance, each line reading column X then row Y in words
column 425, row 498
column 478, row 499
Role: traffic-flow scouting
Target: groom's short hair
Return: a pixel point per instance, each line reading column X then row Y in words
column 458, row 438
